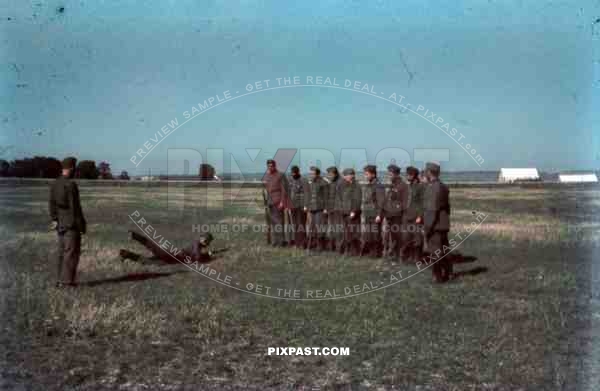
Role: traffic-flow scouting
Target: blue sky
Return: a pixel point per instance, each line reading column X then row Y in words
column 518, row 79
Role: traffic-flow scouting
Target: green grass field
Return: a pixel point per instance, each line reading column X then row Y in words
column 521, row 316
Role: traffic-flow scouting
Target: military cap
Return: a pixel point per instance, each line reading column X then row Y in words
column 69, row 163
column 433, row 167
column 348, row 171
column 271, row 161
column 332, row 169
column 393, row 169
column 370, row 168
column 295, row 169
column 410, row 170
column 316, row 169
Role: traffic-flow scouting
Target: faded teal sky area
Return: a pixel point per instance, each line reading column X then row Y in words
column 519, row 80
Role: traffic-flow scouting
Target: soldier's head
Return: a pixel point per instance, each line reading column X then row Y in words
column 295, row 171
column 349, row 175
column 271, row 166
column 432, row 170
column 370, row 172
column 332, row 173
column 68, row 166
column 393, row 171
column 314, row 172
column 206, row 239
column 412, row 174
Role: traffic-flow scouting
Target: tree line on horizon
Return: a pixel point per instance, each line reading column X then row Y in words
column 50, row 167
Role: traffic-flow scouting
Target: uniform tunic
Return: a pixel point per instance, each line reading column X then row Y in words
column 334, row 214
column 373, row 196
column 315, row 202
column 349, row 198
column 297, row 190
column 413, row 232
column 395, row 202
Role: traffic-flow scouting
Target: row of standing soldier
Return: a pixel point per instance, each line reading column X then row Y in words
column 337, row 213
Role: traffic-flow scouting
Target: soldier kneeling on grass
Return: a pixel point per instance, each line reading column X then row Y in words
column 199, row 251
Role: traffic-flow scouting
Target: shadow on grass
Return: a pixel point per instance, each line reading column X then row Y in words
column 129, row 278
column 459, row 258
column 471, row 272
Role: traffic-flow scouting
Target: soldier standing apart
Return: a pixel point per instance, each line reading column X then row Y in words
column 394, row 206
column 437, row 222
column 67, row 219
column 349, row 196
column 314, row 204
column 297, row 188
column 373, row 196
column 334, row 214
column 412, row 218
column 276, row 187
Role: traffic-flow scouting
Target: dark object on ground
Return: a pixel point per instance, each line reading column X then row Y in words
column 454, row 257
column 129, row 277
column 126, row 254
column 459, row 258
column 65, row 285
column 471, row 272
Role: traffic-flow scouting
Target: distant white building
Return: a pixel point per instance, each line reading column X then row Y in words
column 148, row 178
column 575, row 178
column 509, row 175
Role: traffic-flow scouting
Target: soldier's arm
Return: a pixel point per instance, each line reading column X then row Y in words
column 419, row 200
column 52, row 205
column 285, row 187
column 357, row 199
column 326, row 196
column 75, row 205
column 380, row 199
column 306, row 198
column 404, row 198
column 432, row 208
column 448, row 199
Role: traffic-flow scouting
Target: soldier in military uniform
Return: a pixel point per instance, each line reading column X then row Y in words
column 276, row 196
column 349, row 196
column 315, row 202
column 393, row 207
column 297, row 188
column 437, row 223
column 412, row 218
column 334, row 214
column 373, row 196
column 68, row 220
